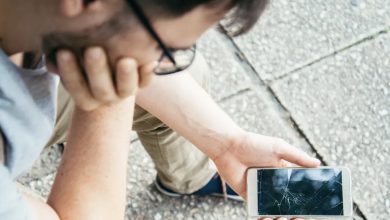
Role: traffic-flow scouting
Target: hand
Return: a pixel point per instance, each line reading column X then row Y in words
column 99, row 86
column 254, row 150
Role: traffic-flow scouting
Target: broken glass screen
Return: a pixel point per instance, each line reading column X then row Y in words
column 300, row 192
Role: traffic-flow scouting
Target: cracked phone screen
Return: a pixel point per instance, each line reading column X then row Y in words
column 300, row 191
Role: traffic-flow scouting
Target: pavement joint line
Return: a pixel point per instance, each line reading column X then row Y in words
column 301, row 133
column 273, row 96
column 134, row 140
column 365, row 39
column 237, row 93
column 240, row 56
column 297, row 128
column 35, row 179
column 282, row 110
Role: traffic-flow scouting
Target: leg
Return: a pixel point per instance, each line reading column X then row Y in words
column 180, row 165
column 65, row 107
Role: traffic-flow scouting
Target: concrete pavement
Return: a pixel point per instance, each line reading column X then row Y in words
column 316, row 73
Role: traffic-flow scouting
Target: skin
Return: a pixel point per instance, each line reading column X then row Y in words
column 93, row 168
column 105, row 102
column 204, row 123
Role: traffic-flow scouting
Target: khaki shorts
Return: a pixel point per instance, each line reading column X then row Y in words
column 180, row 165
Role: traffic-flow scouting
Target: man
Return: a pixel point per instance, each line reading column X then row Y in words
column 90, row 183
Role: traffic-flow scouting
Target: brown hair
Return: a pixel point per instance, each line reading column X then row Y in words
column 244, row 13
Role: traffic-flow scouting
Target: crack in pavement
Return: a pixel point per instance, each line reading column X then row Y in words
column 335, row 52
column 258, row 81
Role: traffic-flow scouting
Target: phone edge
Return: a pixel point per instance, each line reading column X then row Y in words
column 252, row 188
column 252, row 192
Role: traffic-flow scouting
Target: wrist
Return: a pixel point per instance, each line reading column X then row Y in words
column 111, row 108
column 233, row 139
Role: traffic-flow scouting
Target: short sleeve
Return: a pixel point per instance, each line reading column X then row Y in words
column 12, row 205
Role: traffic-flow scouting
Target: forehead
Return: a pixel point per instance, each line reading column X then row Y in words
column 180, row 32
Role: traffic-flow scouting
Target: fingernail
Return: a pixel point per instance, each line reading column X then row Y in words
column 63, row 56
column 94, row 53
column 129, row 65
column 317, row 161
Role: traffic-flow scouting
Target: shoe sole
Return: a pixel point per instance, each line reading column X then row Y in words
column 235, row 198
column 177, row 195
column 165, row 192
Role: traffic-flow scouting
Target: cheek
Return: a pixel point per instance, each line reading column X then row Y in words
column 140, row 49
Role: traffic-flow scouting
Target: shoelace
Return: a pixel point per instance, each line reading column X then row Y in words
column 224, row 190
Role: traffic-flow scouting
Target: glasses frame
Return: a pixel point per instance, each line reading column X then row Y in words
column 166, row 52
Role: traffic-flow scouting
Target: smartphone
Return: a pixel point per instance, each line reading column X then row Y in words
column 323, row 192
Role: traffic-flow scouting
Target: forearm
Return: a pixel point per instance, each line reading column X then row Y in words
column 184, row 106
column 91, row 180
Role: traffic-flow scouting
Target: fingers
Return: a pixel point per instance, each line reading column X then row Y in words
column 73, row 80
column 127, row 77
column 294, row 155
column 284, row 163
column 146, row 74
column 99, row 74
column 98, row 85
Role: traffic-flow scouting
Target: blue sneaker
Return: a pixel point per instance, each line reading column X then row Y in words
column 215, row 187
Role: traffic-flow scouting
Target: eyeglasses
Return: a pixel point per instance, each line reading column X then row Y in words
column 172, row 60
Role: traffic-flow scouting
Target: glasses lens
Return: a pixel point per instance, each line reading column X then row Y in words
column 183, row 59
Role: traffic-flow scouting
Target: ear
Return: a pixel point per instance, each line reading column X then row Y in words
column 72, row 8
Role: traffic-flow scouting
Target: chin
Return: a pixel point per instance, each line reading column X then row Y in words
column 54, row 42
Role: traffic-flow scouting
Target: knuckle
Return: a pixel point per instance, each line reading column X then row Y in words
column 70, row 82
column 124, row 80
column 105, row 98
column 276, row 151
column 64, row 58
column 86, row 106
column 282, row 163
column 127, row 65
column 277, row 146
column 102, row 94
column 124, row 93
column 72, row 85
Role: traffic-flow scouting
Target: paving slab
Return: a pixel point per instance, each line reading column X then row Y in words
column 253, row 111
column 227, row 76
column 144, row 202
column 49, row 161
column 294, row 33
column 342, row 104
column 250, row 109
column 256, row 112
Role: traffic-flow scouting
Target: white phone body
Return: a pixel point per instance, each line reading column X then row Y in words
column 253, row 195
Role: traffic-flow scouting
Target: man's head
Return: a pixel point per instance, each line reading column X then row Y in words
column 77, row 24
